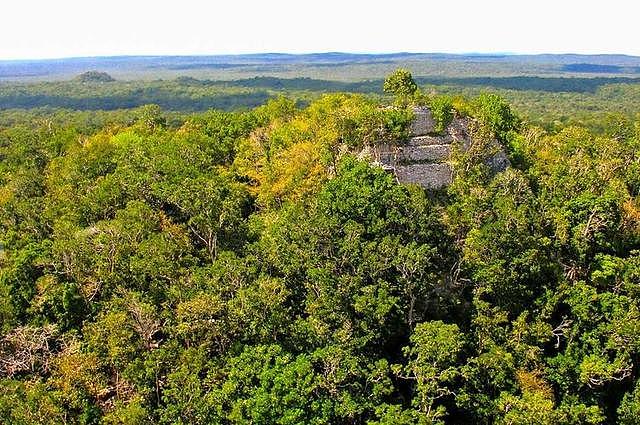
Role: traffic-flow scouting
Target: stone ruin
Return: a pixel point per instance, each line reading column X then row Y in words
column 425, row 158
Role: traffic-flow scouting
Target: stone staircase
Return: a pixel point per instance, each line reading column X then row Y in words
column 424, row 158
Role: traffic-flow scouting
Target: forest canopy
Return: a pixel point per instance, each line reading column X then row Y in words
column 551, row 102
column 95, row 77
column 251, row 267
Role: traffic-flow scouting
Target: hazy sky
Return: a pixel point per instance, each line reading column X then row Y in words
column 63, row 28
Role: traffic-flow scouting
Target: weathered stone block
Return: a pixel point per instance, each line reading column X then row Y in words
column 427, row 140
column 429, row 176
column 425, row 153
column 423, row 122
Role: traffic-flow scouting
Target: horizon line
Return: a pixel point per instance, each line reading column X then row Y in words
column 283, row 53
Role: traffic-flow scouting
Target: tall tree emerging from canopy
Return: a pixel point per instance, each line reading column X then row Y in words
column 400, row 83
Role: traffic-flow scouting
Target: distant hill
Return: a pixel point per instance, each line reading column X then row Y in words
column 95, row 77
column 328, row 66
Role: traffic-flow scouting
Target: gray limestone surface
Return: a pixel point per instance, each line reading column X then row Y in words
column 424, row 158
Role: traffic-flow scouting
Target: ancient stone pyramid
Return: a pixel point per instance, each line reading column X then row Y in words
column 424, row 158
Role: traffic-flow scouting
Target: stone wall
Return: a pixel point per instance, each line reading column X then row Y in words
column 423, row 122
column 424, row 158
column 429, row 176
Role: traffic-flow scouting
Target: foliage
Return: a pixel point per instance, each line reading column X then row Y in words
column 400, row 84
column 95, row 77
column 494, row 113
column 248, row 267
column 442, row 112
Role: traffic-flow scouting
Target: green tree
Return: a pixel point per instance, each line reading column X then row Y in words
column 433, row 355
column 400, row 83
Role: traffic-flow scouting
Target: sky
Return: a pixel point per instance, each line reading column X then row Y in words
column 33, row 29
